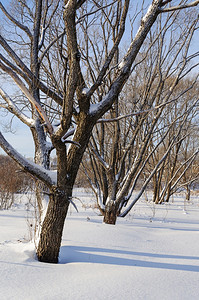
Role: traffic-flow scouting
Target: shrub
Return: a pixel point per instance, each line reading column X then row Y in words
column 12, row 181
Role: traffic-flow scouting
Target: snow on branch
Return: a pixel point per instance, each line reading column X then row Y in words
column 124, row 69
column 44, row 26
column 26, row 92
column 28, row 166
column 125, row 65
column 14, row 109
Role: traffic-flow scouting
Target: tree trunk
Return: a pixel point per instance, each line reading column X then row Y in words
column 110, row 213
column 188, row 192
column 52, row 228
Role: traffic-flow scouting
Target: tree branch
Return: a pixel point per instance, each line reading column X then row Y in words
column 17, row 23
column 50, row 45
column 80, row 3
column 14, row 109
column 127, row 61
column 26, row 92
column 112, row 52
column 137, row 113
column 178, row 7
column 37, row 171
column 46, row 90
column 95, row 11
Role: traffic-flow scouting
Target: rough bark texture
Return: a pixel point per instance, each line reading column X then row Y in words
column 67, row 168
column 110, row 214
column 51, row 235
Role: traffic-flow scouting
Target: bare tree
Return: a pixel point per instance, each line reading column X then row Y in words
column 74, row 102
column 22, row 59
column 173, row 174
column 127, row 145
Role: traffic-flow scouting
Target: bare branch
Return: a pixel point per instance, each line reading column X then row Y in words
column 123, row 214
column 17, row 23
column 99, row 157
column 95, row 11
column 44, row 26
column 178, row 7
column 135, row 113
column 189, row 161
column 14, row 109
column 51, row 44
column 113, row 50
column 16, row 69
column 80, row 3
column 26, row 70
column 28, row 95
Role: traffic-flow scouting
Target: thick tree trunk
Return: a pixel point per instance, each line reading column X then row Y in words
column 110, row 213
column 52, row 228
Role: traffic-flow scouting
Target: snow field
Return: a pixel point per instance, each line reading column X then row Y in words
column 151, row 254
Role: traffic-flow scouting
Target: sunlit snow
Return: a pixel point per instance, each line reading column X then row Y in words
column 153, row 253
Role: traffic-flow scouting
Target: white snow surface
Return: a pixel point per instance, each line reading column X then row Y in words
column 153, row 253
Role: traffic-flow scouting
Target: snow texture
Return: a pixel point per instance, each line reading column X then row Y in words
column 85, row 91
column 151, row 254
column 149, row 11
column 94, row 108
column 121, row 64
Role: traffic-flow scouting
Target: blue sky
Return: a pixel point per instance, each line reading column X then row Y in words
column 22, row 139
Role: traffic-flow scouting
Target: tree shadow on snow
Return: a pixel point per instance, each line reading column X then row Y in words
column 77, row 254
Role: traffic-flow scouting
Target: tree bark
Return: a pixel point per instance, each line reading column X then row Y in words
column 188, row 192
column 110, row 213
column 52, row 228
column 67, row 168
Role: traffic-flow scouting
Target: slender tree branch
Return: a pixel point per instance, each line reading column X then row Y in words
column 113, row 50
column 26, row 70
column 17, row 23
column 50, row 45
column 136, row 113
column 95, row 11
column 178, row 7
column 28, row 95
column 14, row 109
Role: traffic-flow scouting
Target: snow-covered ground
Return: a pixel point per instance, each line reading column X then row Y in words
column 151, row 254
